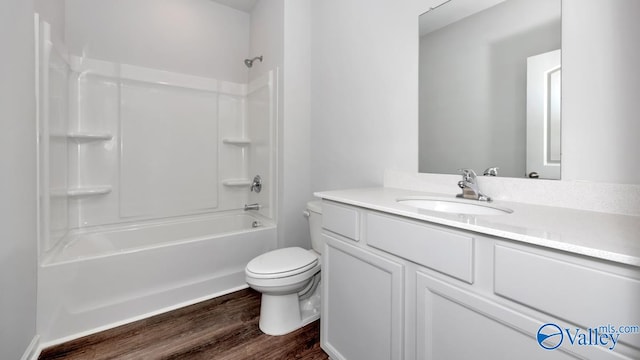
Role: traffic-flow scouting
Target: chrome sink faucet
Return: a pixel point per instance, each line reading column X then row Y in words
column 469, row 186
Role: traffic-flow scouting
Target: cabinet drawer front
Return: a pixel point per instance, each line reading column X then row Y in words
column 582, row 294
column 444, row 251
column 341, row 220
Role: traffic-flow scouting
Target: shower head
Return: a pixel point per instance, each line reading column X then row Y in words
column 249, row 62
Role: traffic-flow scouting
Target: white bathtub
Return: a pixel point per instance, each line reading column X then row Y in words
column 109, row 276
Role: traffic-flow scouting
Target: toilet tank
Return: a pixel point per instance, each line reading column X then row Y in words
column 314, row 215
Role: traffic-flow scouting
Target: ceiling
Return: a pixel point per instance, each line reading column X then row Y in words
column 242, row 5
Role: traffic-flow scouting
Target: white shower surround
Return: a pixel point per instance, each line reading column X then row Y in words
column 144, row 143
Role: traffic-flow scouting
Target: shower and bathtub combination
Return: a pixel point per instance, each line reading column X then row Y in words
column 144, row 175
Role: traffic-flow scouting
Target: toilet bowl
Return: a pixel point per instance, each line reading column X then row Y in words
column 289, row 280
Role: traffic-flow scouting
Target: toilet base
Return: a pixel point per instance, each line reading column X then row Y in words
column 282, row 314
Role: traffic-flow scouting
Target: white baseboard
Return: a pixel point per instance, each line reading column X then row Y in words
column 33, row 350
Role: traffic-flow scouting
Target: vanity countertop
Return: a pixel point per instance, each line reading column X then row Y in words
column 605, row 236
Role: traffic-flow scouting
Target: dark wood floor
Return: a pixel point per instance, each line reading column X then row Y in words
column 223, row 328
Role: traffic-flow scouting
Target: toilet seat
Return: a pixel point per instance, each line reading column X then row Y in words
column 282, row 263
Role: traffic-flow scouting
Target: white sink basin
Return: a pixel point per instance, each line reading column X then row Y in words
column 454, row 206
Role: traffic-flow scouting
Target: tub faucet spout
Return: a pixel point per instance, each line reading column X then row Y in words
column 255, row 206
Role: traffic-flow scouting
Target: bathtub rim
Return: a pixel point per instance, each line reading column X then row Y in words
column 49, row 258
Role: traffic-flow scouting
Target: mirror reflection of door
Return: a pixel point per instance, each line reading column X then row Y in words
column 543, row 115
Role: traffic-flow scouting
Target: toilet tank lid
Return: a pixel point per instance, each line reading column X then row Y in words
column 315, row 206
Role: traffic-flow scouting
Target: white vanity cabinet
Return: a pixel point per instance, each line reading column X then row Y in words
column 362, row 307
column 399, row 288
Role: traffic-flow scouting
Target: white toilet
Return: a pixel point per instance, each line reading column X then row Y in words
column 289, row 280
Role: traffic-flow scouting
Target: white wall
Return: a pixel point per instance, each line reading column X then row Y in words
column 295, row 134
column 162, row 34
column 364, row 91
column 280, row 32
column 53, row 12
column 473, row 86
column 18, row 190
column 601, row 91
column 266, row 36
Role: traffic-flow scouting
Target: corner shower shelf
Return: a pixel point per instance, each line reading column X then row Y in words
column 237, row 141
column 236, row 182
column 89, row 136
column 89, row 191
column 84, row 136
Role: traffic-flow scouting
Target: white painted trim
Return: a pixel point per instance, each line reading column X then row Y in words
column 33, row 350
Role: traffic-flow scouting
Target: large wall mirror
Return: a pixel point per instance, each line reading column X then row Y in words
column 490, row 87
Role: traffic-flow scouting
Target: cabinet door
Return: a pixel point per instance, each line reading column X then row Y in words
column 362, row 304
column 453, row 323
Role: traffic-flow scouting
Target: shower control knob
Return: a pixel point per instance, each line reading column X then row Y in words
column 256, row 185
